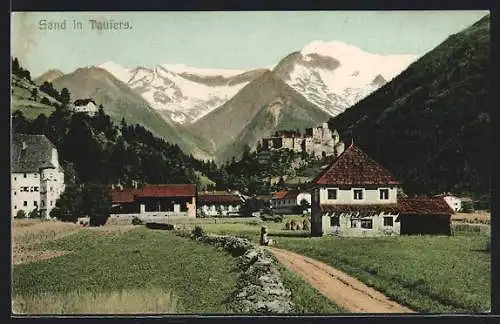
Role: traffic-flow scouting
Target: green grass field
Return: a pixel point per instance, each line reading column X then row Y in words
column 200, row 277
column 426, row 273
column 138, row 271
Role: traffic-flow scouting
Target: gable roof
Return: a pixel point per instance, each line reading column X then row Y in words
column 83, row 102
column 424, row 206
column 355, row 167
column 36, row 154
column 167, row 190
column 404, row 206
column 122, row 195
column 286, row 194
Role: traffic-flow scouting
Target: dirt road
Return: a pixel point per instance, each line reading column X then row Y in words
column 347, row 292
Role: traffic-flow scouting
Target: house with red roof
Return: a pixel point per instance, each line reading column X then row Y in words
column 156, row 200
column 356, row 196
column 289, row 201
column 219, row 203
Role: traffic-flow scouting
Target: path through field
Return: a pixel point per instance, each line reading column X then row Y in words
column 345, row 291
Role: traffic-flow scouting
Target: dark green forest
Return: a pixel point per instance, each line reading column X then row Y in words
column 431, row 125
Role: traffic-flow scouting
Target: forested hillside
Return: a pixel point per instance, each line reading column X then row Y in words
column 431, row 125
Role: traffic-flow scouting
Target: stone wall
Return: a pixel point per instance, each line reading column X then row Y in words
column 260, row 288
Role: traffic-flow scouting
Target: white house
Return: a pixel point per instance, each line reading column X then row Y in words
column 288, row 201
column 37, row 179
column 355, row 196
column 87, row 106
column 219, row 203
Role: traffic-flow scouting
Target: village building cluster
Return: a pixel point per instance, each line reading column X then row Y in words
column 317, row 141
column 353, row 196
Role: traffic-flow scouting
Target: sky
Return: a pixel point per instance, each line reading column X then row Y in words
column 232, row 40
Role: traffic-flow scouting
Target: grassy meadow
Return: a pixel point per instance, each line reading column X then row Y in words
column 425, row 273
column 123, row 267
column 61, row 268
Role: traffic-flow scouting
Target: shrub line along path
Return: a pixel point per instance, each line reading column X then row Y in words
column 347, row 292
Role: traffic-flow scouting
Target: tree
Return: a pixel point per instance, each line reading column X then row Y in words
column 96, row 203
column 34, row 93
column 65, row 97
column 69, row 205
column 15, row 66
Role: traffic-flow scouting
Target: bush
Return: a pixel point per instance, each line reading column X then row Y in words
column 137, row 221
column 34, row 213
column 20, row 214
column 275, row 218
column 160, row 226
column 198, row 231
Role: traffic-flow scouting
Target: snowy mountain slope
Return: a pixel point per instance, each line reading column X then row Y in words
column 181, row 93
column 331, row 75
column 335, row 75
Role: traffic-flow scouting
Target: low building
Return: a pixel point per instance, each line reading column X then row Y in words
column 219, row 204
column 290, row 201
column 356, row 196
column 87, row 106
column 156, row 200
column 37, row 178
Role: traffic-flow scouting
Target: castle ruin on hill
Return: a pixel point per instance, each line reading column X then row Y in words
column 317, row 141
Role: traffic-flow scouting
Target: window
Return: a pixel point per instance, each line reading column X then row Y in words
column 25, row 203
column 35, row 203
column 334, row 221
column 43, row 203
column 15, row 178
column 388, row 221
column 35, row 189
column 51, row 202
column 51, row 189
column 15, row 193
column 358, row 194
column 31, row 189
column 332, row 193
column 384, row 194
column 354, row 223
column 15, row 206
column 36, row 175
column 24, row 175
column 367, row 223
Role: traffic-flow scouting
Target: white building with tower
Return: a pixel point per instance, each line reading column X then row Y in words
column 37, row 179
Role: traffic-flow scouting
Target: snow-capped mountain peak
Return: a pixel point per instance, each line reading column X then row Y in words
column 335, row 75
column 121, row 73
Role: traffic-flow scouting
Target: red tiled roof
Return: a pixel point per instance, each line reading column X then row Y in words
column 355, row 167
column 406, row 206
column 167, row 190
column 389, row 208
column 122, row 195
column 424, row 205
column 285, row 194
column 207, row 198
